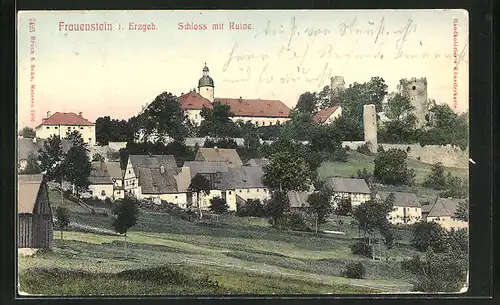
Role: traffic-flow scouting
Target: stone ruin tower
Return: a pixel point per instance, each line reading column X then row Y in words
column 370, row 126
column 416, row 90
column 337, row 83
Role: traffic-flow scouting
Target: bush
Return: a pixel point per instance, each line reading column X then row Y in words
column 344, row 207
column 253, row 208
column 218, row 205
column 362, row 248
column 364, row 149
column 430, row 235
column 354, row 270
column 295, row 222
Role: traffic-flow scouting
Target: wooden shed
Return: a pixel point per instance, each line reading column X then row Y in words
column 34, row 223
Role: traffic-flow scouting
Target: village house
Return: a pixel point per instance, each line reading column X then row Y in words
column 406, row 209
column 106, row 181
column 355, row 189
column 156, row 177
column 213, row 172
column 34, row 223
column 60, row 123
column 443, row 212
column 257, row 111
column 227, row 155
column 327, row 115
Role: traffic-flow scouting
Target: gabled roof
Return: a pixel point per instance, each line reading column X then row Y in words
column 201, row 167
column 153, row 161
column 256, row 107
column 243, row 178
column 26, row 146
column 298, row 199
column 444, row 207
column 321, row 116
column 105, row 172
column 402, row 199
column 194, row 101
column 66, row 118
column 347, row 185
column 230, row 156
column 153, row 181
column 28, row 187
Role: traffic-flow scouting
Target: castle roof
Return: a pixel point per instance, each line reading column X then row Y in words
column 194, row 101
column 256, row 107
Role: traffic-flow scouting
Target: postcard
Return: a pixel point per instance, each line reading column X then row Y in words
column 250, row 152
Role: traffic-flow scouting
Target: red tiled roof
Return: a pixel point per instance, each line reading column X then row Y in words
column 321, row 116
column 66, row 118
column 256, row 108
column 193, row 101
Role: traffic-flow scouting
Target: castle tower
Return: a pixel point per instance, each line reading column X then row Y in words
column 416, row 90
column 206, row 85
column 337, row 82
column 370, row 126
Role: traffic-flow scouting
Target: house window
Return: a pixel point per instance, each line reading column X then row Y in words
column 69, row 128
column 129, row 171
column 257, row 190
column 103, row 193
column 48, row 127
column 91, row 192
column 175, row 197
column 55, row 127
column 229, row 192
column 248, row 190
column 241, row 191
column 118, row 192
column 81, row 127
column 90, row 139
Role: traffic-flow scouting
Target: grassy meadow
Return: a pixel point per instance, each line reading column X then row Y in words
column 231, row 255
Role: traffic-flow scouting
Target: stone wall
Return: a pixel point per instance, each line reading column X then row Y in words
column 450, row 156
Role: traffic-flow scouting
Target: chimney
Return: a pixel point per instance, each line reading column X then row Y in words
column 162, row 169
column 48, row 114
column 80, row 114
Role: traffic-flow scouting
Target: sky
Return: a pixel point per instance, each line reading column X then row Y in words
column 266, row 54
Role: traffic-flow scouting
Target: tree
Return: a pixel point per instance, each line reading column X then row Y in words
column 319, row 205
column 221, row 143
column 62, row 219
column 365, row 175
column 286, row 172
column 51, row 156
column 437, row 272
column 126, row 217
column 218, row 205
column 28, row 133
column 462, row 211
column 459, row 240
column 436, row 178
column 276, row 207
column 76, row 138
column 327, row 141
column 32, row 165
column 108, row 130
column 97, row 157
column 455, row 187
column 403, row 123
column 253, row 208
column 76, row 168
column 429, row 235
column 343, row 206
column 217, row 122
column 199, row 185
column 354, row 270
column 163, row 118
column 391, row 168
column 307, row 103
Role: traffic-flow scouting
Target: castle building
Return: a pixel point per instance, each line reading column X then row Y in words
column 62, row 123
column 257, row 111
column 416, row 90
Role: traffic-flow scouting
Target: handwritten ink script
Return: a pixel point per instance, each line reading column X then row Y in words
column 309, row 54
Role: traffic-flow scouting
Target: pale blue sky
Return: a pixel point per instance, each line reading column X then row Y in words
column 114, row 73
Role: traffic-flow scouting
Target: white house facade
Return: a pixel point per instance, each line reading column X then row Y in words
column 61, row 123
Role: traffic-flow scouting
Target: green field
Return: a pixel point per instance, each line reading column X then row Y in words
column 241, row 255
column 359, row 161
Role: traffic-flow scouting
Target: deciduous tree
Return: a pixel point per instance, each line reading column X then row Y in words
column 218, row 205
column 277, row 206
column 319, row 206
column 199, row 185
column 391, row 168
column 28, row 133
column 286, row 172
column 32, row 165
column 126, row 217
column 429, row 235
column 217, row 122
